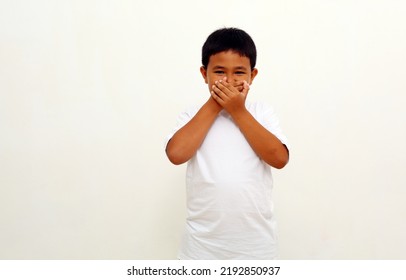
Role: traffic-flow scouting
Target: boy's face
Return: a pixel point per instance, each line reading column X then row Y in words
column 231, row 65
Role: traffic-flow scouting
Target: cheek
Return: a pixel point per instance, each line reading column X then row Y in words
column 210, row 85
column 248, row 79
column 211, row 80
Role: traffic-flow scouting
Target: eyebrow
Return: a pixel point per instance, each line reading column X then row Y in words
column 235, row 68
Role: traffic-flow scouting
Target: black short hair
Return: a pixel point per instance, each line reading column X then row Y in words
column 225, row 39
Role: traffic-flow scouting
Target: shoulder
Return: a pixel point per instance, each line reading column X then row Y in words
column 259, row 108
column 191, row 110
column 264, row 114
column 188, row 112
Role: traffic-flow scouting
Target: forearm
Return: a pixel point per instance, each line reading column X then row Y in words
column 185, row 142
column 266, row 145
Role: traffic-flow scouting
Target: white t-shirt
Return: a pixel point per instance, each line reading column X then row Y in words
column 229, row 192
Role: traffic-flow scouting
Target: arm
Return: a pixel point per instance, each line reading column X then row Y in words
column 266, row 145
column 185, row 142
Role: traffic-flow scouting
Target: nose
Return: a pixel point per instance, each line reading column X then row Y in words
column 230, row 78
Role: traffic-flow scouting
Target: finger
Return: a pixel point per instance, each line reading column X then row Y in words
column 246, row 88
column 217, row 98
column 240, row 88
column 220, row 86
column 226, row 87
column 238, row 84
column 219, row 91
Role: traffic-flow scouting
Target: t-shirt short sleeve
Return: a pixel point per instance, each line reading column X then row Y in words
column 182, row 119
column 267, row 117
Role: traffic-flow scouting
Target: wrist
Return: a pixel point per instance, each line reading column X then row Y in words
column 238, row 115
column 214, row 106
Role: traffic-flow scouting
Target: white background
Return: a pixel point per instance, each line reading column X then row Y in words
column 90, row 89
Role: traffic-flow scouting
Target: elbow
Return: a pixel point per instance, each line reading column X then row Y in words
column 174, row 157
column 279, row 160
column 280, row 164
column 175, row 160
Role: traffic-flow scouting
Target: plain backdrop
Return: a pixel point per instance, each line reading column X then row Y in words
column 90, row 89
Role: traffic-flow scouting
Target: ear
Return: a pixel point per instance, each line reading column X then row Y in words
column 204, row 73
column 254, row 73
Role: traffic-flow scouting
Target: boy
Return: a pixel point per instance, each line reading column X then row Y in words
column 230, row 145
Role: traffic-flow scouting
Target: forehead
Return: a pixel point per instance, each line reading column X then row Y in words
column 229, row 59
